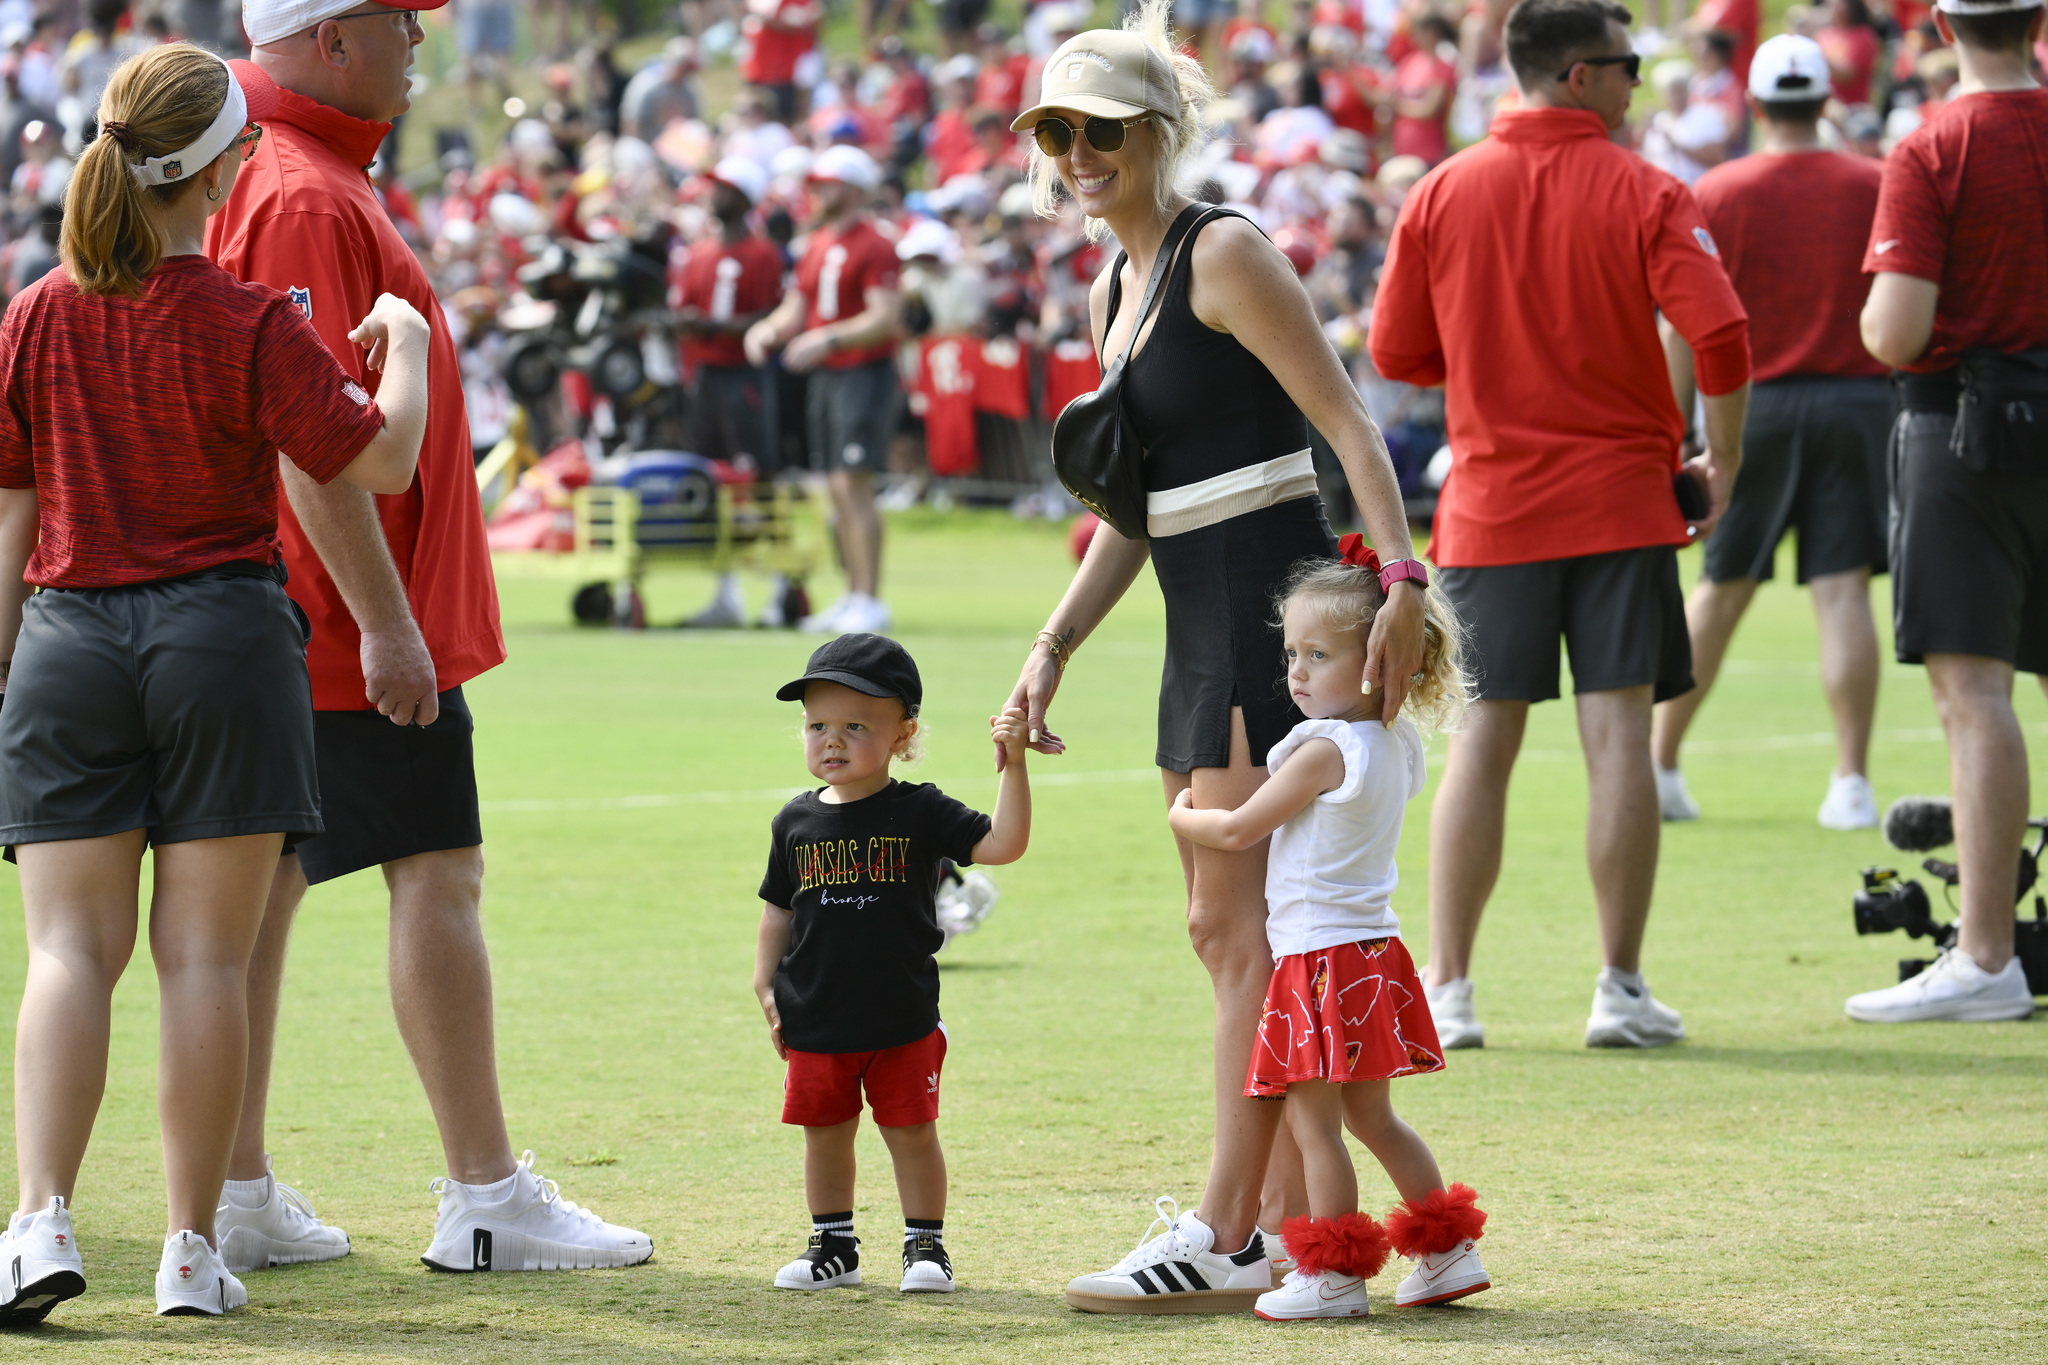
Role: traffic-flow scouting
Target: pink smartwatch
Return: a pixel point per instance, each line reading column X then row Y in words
column 1413, row 570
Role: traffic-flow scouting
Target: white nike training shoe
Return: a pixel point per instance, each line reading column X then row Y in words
column 1302, row 1295
column 531, row 1228
column 926, row 1267
column 191, row 1281
column 1450, row 1006
column 282, row 1230
column 1625, row 1014
column 1442, row 1276
column 832, row 1260
column 1953, row 987
column 40, row 1260
column 1674, row 802
column 1177, row 1272
column 1277, row 1253
column 1850, row 803
column 826, row 622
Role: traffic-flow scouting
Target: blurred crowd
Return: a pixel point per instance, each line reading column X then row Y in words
column 563, row 250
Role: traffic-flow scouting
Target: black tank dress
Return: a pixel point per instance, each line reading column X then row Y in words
column 1230, row 508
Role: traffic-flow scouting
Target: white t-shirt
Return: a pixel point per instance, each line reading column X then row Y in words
column 1330, row 875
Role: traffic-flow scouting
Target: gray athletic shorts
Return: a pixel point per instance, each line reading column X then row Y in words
column 1969, row 553
column 1621, row 616
column 1813, row 457
column 851, row 414
column 179, row 707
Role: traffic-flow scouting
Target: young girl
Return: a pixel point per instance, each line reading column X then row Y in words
column 1345, row 1012
column 844, row 968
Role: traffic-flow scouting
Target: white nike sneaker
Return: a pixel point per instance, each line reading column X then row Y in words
column 826, row 622
column 1277, row 1253
column 1953, row 987
column 40, row 1259
column 1442, row 1276
column 1625, row 1014
column 191, row 1281
column 531, row 1228
column 1850, row 803
column 926, row 1267
column 282, row 1230
column 1177, row 1272
column 1673, row 800
column 1302, row 1295
column 1450, row 1005
column 832, row 1260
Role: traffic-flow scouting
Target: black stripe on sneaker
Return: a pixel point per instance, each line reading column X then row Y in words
column 1144, row 1282
column 1173, row 1286
column 1191, row 1275
column 1255, row 1250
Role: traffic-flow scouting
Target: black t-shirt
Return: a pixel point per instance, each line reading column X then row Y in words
column 861, row 880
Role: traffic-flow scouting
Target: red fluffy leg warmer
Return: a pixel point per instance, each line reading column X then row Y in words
column 1437, row 1222
column 1349, row 1244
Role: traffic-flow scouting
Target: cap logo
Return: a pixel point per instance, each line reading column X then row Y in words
column 1079, row 59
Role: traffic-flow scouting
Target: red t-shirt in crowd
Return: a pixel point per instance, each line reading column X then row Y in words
column 724, row 281
column 1854, row 48
column 839, row 266
column 169, row 466
column 777, row 40
column 1000, row 86
column 1965, row 204
column 945, row 377
column 1417, row 75
column 1525, row 276
column 1739, row 17
column 1792, row 229
column 304, row 219
column 950, row 144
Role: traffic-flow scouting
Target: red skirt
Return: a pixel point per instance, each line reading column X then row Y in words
column 1354, row 1012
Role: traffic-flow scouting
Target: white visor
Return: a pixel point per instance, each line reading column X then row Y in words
column 168, row 170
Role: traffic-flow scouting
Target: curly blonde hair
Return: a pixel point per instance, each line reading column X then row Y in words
column 1177, row 136
column 1348, row 597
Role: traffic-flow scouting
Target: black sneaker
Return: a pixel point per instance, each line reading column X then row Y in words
column 926, row 1270
column 833, row 1260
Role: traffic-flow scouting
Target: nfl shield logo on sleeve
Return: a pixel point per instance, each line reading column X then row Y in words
column 302, row 299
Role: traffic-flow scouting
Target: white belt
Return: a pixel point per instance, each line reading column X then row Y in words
column 1173, row 511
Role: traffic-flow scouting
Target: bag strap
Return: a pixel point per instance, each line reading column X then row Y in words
column 1191, row 217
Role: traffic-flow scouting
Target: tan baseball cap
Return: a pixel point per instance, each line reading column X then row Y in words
column 1105, row 72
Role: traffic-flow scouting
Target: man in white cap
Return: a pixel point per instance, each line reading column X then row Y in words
column 729, row 281
column 1960, row 304
column 404, row 611
column 1792, row 222
column 839, row 325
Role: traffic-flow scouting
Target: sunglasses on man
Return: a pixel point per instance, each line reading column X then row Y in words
column 1630, row 63
column 1055, row 136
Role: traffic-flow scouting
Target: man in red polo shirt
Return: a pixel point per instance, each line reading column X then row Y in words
column 404, row 611
column 1526, row 275
column 839, row 323
column 1962, row 285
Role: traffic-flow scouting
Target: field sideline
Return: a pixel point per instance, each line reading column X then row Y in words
column 1786, row 1186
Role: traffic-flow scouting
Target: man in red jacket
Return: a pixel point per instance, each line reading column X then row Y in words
column 404, row 611
column 1525, row 276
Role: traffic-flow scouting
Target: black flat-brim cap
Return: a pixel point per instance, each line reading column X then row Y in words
column 874, row 664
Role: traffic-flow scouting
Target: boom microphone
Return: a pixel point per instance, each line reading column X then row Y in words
column 1920, row 824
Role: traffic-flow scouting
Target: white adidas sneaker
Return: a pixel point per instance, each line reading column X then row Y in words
column 192, row 1281
column 1177, row 1272
column 1302, row 1295
column 1674, row 801
column 1625, row 1014
column 1277, row 1253
column 531, row 1228
column 39, row 1258
column 1442, row 1276
column 1850, row 803
column 831, row 1260
column 282, row 1230
column 926, row 1267
column 1450, row 1007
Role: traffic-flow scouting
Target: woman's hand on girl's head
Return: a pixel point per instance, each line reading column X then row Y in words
column 1393, row 652
column 391, row 320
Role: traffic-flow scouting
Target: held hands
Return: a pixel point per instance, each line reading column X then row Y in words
column 767, row 998
column 398, row 675
column 391, row 321
column 1393, row 652
column 1034, row 691
column 1009, row 731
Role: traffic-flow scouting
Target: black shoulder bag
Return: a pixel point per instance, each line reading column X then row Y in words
column 2002, row 419
column 1096, row 454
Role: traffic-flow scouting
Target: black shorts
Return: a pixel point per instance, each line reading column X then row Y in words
column 851, row 414
column 732, row 415
column 392, row 791
column 1969, row 553
column 180, row 707
column 1813, row 457
column 1621, row 615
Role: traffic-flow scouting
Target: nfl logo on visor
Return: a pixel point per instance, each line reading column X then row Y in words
column 173, row 169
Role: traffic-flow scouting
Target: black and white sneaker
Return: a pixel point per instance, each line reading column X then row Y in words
column 926, row 1269
column 1179, row 1271
column 832, row 1260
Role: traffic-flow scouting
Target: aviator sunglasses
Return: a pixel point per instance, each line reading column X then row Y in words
column 1055, row 136
column 251, row 137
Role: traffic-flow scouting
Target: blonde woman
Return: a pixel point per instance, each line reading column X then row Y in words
column 156, row 689
column 1226, row 377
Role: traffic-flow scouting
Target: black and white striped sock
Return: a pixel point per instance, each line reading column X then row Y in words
column 935, row 1226
column 840, row 1223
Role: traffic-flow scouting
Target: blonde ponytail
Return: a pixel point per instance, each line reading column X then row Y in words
column 155, row 103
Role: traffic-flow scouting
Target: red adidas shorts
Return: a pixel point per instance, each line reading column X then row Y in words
column 902, row 1084
column 1354, row 1012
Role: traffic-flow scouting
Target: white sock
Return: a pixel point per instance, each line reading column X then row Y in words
column 1632, row 982
column 247, row 1194
column 492, row 1193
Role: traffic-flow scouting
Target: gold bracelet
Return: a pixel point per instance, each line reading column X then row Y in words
column 1062, row 652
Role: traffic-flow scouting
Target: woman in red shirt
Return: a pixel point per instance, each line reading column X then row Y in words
column 156, row 685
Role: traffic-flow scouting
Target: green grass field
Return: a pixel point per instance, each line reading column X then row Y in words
column 1784, row 1186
